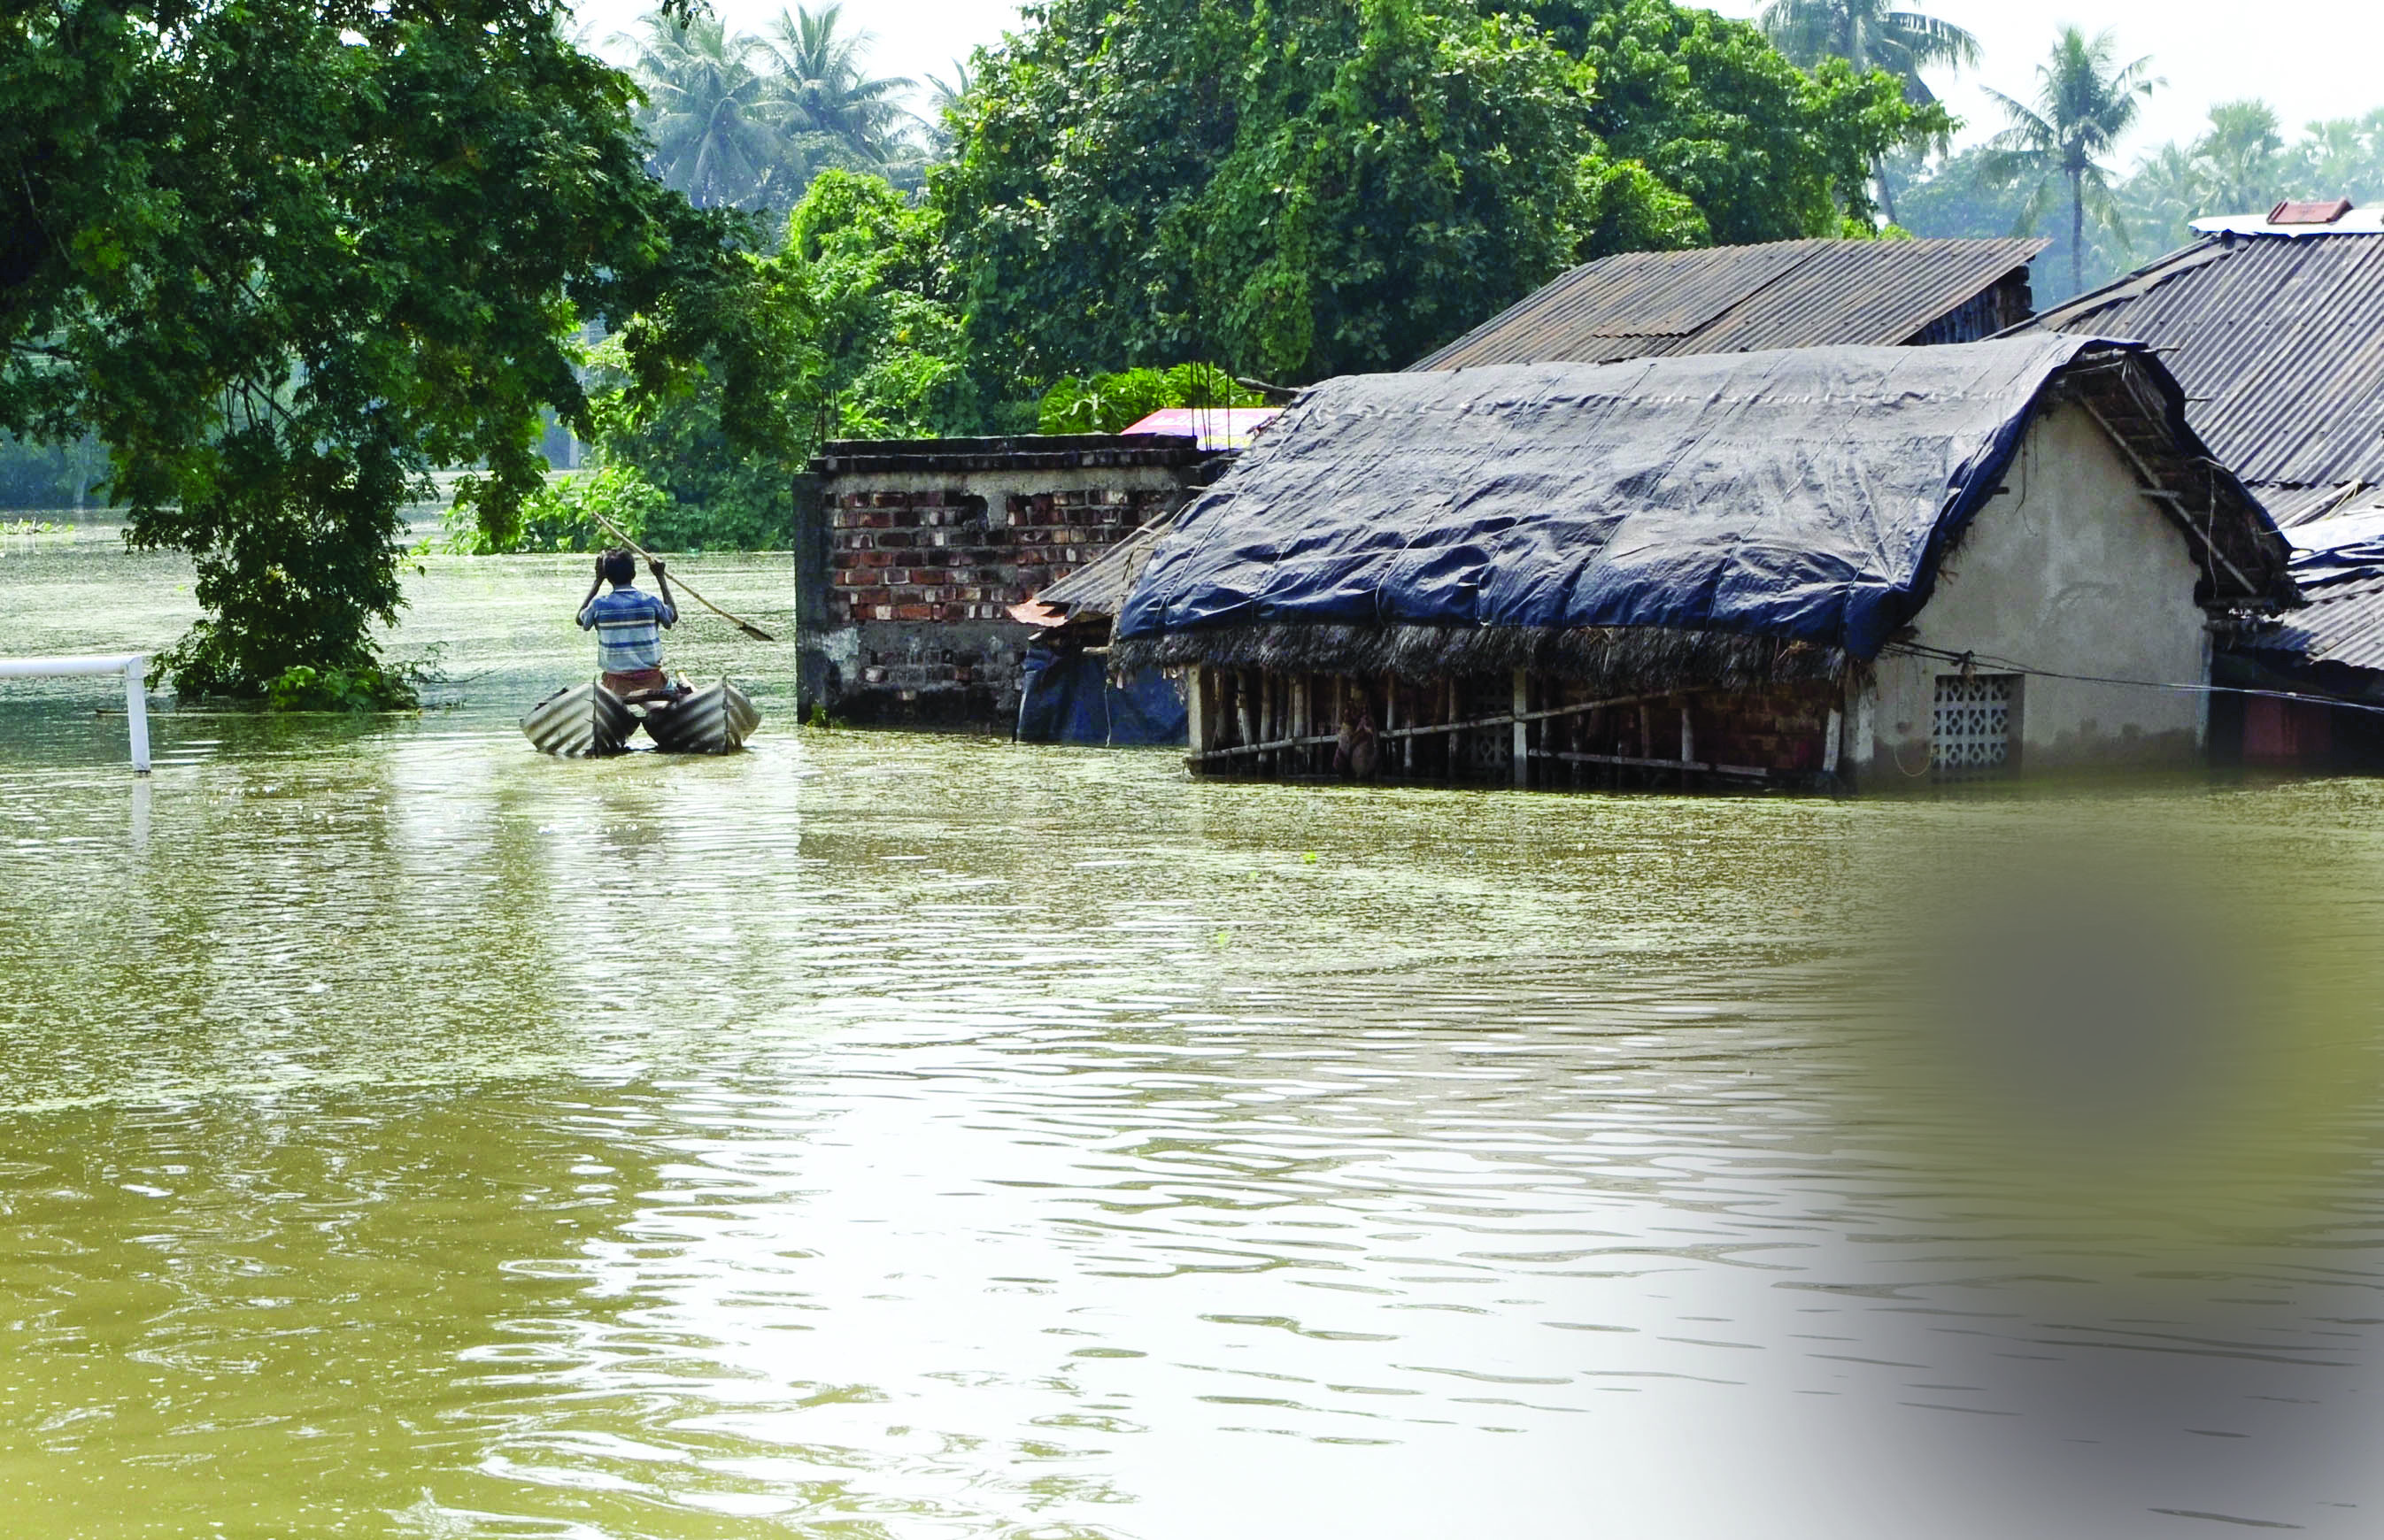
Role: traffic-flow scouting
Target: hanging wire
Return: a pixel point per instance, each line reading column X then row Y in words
column 1969, row 661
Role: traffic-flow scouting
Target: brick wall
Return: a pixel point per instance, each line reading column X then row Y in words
column 947, row 554
column 925, row 546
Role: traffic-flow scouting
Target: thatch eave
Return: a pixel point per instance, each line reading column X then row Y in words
column 1618, row 658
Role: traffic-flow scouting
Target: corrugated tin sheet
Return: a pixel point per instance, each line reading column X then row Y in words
column 1742, row 299
column 2278, row 342
column 2339, row 564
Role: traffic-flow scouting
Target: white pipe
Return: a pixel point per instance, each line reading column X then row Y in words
column 51, row 668
column 134, row 666
column 136, row 710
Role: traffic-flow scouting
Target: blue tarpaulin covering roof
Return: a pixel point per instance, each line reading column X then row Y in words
column 1803, row 495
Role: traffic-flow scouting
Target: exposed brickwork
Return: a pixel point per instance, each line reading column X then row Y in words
column 944, row 554
column 923, row 550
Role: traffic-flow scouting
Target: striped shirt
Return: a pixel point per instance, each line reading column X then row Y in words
column 628, row 625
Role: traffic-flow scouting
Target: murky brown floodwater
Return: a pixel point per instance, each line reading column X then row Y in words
column 878, row 1134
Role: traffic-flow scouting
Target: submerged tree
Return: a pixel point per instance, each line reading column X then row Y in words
column 285, row 258
column 2085, row 101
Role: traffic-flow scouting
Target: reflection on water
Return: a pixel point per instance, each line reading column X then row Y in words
column 875, row 1135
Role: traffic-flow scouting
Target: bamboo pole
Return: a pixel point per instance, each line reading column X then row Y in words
column 745, row 625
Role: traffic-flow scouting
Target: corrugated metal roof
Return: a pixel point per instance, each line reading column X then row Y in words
column 2339, row 564
column 1741, row 299
column 2278, row 342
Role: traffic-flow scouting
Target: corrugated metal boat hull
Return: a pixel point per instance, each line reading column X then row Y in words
column 715, row 720
column 584, row 721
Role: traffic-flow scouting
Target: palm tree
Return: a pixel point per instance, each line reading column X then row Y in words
column 1870, row 35
column 2341, row 158
column 703, row 109
column 2242, row 157
column 2170, row 189
column 820, row 85
column 2086, row 101
column 943, row 98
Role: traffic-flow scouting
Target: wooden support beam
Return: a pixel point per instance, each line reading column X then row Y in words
column 1523, row 729
column 1572, row 758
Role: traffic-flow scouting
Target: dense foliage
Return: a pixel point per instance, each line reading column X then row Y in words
column 1113, row 403
column 285, row 256
column 1311, row 187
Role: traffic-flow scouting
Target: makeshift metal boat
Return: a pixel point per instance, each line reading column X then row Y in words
column 584, row 721
column 715, row 720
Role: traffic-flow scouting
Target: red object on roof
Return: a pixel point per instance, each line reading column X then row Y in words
column 2291, row 213
column 1214, row 427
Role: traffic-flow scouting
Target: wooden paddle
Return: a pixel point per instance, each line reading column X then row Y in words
column 745, row 625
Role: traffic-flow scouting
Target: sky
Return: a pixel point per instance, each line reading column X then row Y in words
column 2309, row 58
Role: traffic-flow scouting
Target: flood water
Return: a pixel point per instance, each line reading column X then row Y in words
column 883, row 1134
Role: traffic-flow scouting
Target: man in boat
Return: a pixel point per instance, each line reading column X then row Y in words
column 628, row 623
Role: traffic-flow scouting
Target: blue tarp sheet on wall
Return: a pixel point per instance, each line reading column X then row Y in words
column 1805, row 494
column 1068, row 698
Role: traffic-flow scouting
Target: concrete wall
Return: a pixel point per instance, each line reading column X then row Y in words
column 2075, row 571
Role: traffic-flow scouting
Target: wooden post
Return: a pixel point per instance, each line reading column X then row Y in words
column 1830, row 743
column 1300, row 758
column 1449, row 745
column 1246, row 709
column 1522, row 731
column 1266, row 719
column 1688, row 745
column 1196, row 712
column 1407, row 745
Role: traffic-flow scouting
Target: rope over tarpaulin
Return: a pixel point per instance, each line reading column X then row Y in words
column 1805, row 495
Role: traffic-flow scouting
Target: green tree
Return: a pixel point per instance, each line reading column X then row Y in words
column 1763, row 149
column 707, row 111
column 1310, row 187
column 1871, row 34
column 746, row 119
column 2341, row 158
column 286, row 257
column 2242, row 158
column 2086, row 101
column 820, row 85
column 1113, row 403
column 868, row 309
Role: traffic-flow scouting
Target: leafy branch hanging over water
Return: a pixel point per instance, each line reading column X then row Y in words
column 284, row 258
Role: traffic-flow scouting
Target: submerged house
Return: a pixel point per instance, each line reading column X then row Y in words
column 1749, row 299
column 2275, row 326
column 1823, row 566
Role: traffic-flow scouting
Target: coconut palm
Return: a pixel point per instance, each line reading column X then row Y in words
column 819, row 83
column 2341, row 158
column 1870, row 35
column 2242, row 157
column 943, row 98
column 704, row 108
column 2085, row 102
column 2170, row 189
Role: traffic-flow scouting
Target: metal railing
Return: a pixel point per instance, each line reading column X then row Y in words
column 134, row 666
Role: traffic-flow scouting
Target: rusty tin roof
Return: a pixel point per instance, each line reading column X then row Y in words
column 1744, row 299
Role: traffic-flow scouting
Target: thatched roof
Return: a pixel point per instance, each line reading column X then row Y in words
column 1771, row 515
